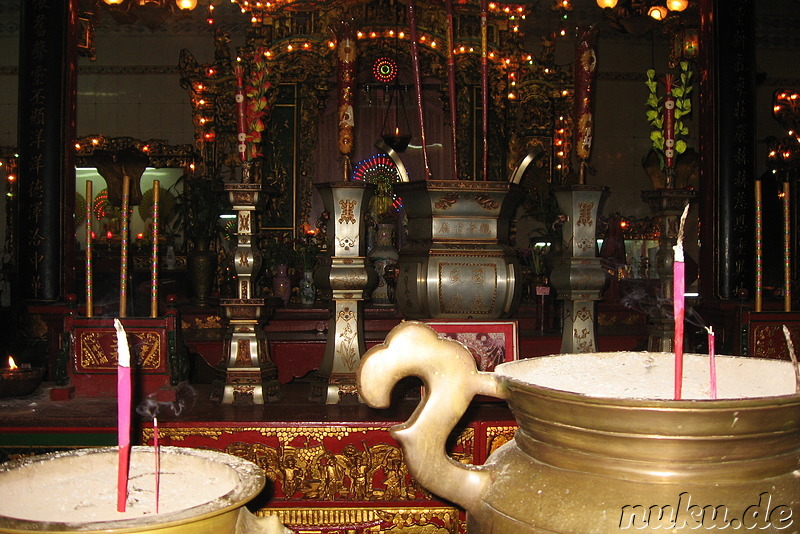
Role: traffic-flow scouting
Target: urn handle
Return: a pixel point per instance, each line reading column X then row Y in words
column 451, row 379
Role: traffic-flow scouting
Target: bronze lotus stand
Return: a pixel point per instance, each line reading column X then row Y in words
column 592, row 460
column 347, row 277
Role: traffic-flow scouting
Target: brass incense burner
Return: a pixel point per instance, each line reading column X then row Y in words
column 598, row 464
column 202, row 492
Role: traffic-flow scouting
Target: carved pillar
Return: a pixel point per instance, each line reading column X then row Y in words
column 47, row 81
column 250, row 374
column 348, row 277
column 578, row 276
column 726, row 139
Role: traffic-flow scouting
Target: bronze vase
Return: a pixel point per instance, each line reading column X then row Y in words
column 457, row 262
column 202, row 267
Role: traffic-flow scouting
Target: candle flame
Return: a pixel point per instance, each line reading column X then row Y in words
column 11, row 363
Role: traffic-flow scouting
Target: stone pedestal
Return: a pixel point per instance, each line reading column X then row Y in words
column 578, row 276
column 667, row 205
column 346, row 277
column 250, row 375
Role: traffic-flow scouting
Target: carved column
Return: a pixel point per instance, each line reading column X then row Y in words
column 578, row 277
column 47, row 99
column 250, row 374
column 347, row 277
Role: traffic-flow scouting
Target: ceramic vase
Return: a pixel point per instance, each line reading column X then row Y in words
column 308, row 291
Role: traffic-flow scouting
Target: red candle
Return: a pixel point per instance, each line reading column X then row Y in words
column 154, row 251
column 759, row 249
column 669, row 123
column 241, row 124
column 451, row 82
column 89, row 238
column 678, row 303
column 347, row 81
column 485, row 87
column 712, row 362
column 123, row 251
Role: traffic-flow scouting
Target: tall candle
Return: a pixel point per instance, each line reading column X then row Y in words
column 485, row 87
column 123, row 415
column 759, row 249
column 787, row 249
column 678, row 302
column 89, row 297
column 154, row 252
column 412, row 21
column 123, row 266
column 583, row 101
column 451, row 82
column 712, row 363
column 347, row 82
column 241, row 124
column 669, row 123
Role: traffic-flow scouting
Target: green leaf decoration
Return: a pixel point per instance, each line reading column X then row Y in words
column 680, row 146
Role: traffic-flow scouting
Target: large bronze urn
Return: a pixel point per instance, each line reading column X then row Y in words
column 594, row 454
column 456, row 262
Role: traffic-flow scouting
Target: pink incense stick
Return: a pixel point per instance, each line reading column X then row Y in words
column 678, row 303
column 712, row 353
column 123, row 414
column 157, row 453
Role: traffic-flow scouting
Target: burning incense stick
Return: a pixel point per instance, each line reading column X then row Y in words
column 89, row 297
column 793, row 356
column 154, row 252
column 485, row 86
column 678, row 303
column 123, row 251
column 123, row 415
column 712, row 363
column 451, row 82
column 157, row 452
column 412, row 21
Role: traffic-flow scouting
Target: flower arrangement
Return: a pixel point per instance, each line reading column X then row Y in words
column 665, row 116
column 278, row 249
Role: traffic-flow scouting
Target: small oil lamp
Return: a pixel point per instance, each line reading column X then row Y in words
column 18, row 381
